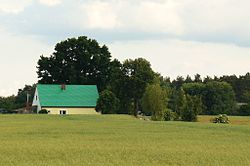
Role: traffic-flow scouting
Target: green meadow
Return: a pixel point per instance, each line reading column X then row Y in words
column 121, row 140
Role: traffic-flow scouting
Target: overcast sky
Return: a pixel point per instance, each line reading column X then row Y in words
column 178, row 37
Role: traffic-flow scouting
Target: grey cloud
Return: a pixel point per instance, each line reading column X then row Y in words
column 66, row 20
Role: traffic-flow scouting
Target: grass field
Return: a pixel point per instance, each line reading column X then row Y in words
column 235, row 120
column 120, row 140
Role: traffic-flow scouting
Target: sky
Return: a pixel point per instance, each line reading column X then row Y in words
column 178, row 37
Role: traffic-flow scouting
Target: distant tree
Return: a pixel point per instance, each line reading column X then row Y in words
column 177, row 100
column 178, row 82
column 219, row 98
column 21, row 97
column 192, row 107
column 188, row 79
column 241, row 86
column 207, row 79
column 154, row 101
column 194, row 89
column 197, row 78
column 8, row 103
column 216, row 78
column 164, row 82
column 136, row 75
column 244, row 110
column 107, row 103
column 76, row 61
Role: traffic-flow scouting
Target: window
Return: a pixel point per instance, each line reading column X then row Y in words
column 62, row 112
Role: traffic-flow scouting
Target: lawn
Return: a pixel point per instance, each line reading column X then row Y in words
column 120, row 140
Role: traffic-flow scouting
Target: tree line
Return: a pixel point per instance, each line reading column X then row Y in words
column 132, row 87
column 11, row 103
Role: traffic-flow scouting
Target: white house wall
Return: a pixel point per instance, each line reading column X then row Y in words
column 36, row 101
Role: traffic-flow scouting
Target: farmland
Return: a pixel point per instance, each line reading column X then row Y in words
column 121, row 140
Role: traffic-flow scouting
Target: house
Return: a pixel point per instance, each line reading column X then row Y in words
column 66, row 99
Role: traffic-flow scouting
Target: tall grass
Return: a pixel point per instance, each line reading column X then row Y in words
column 119, row 140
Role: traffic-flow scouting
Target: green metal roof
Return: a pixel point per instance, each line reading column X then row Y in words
column 72, row 96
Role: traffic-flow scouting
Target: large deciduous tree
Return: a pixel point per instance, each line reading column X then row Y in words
column 219, row 98
column 136, row 75
column 76, row 61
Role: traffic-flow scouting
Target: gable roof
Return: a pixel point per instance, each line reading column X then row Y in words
column 73, row 96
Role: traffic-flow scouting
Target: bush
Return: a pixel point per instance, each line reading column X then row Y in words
column 244, row 110
column 223, row 118
column 170, row 115
column 43, row 111
column 189, row 115
column 107, row 103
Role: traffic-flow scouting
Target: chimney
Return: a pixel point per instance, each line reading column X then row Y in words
column 63, row 87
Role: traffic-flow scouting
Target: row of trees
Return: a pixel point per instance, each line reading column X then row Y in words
column 132, row 87
column 185, row 103
column 10, row 103
column 240, row 85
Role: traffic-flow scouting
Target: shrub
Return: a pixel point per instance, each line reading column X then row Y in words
column 170, row 115
column 223, row 118
column 43, row 111
column 107, row 103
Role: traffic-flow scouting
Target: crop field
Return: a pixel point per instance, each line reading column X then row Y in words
column 121, row 140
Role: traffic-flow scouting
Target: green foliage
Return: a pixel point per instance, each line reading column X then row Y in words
column 244, row 110
column 192, row 107
column 11, row 103
column 8, row 103
column 219, row 98
column 154, row 101
column 43, row 111
column 222, row 118
column 107, row 103
column 178, row 82
column 76, row 61
column 131, row 83
column 83, row 61
column 241, row 86
column 194, row 89
column 169, row 115
column 21, row 97
column 177, row 100
column 197, row 78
